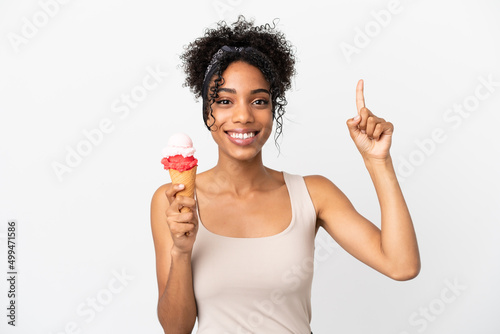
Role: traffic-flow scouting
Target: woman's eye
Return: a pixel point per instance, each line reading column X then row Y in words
column 223, row 102
column 261, row 102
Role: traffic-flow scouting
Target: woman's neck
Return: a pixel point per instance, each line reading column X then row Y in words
column 240, row 177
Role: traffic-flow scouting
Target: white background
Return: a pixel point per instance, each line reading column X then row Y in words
column 76, row 232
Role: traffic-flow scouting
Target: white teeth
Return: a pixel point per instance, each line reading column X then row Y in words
column 242, row 135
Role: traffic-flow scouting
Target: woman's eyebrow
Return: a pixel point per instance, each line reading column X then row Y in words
column 255, row 91
column 260, row 90
column 228, row 90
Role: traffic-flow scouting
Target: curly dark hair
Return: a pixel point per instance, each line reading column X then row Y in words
column 265, row 48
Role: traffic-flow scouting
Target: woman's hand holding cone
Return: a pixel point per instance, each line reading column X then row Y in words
column 183, row 225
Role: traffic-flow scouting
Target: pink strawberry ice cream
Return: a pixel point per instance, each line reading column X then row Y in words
column 179, row 152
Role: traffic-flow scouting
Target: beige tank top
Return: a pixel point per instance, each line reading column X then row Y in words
column 258, row 285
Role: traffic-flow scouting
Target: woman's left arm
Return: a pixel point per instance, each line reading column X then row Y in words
column 393, row 249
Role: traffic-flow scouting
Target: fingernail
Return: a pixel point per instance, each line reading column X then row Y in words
column 356, row 118
column 180, row 186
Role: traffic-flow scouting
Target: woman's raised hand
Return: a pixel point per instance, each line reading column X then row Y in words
column 371, row 134
column 183, row 225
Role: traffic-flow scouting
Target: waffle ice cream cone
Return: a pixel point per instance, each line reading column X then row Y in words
column 181, row 164
column 187, row 178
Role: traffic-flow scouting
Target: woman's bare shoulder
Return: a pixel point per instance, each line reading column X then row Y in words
column 318, row 182
column 322, row 189
column 160, row 192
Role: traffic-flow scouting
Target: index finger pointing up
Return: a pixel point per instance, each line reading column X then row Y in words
column 360, row 98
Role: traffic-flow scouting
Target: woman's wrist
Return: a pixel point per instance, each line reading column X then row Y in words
column 178, row 254
column 378, row 163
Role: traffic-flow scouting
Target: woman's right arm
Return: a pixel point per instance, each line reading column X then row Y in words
column 173, row 248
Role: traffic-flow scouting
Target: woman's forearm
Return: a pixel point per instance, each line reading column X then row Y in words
column 177, row 306
column 398, row 239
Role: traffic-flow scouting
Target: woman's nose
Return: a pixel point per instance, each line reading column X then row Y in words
column 242, row 114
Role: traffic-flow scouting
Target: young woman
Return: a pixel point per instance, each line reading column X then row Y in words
column 242, row 259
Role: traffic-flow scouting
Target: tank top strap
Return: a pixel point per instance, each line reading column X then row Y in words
column 301, row 201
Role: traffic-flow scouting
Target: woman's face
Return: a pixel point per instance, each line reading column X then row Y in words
column 242, row 112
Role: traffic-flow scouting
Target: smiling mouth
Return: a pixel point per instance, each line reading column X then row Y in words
column 239, row 135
